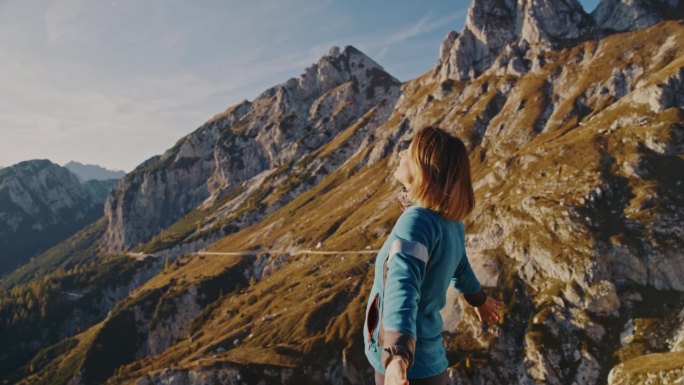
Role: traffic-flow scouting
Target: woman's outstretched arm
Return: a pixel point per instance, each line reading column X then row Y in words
column 407, row 265
column 465, row 281
column 488, row 309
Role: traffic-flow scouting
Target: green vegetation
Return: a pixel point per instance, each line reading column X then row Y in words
column 79, row 249
column 50, row 301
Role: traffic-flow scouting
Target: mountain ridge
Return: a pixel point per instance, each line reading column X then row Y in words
column 86, row 172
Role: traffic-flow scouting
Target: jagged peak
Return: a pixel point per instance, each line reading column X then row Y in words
column 348, row 51
column 536, row 21
column 333, row 68
column 487, row 18
column 348, row 63
column 491, row 25
column 552, row 21
column 447, row 43
column 628, row 15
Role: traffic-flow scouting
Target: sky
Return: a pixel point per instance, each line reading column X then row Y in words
column 116, row 82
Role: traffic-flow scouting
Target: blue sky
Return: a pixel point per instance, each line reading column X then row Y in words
column 115, row 82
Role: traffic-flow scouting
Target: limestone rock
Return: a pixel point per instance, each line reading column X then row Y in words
column 662, row 95
column 492, row 25
column 628, row 15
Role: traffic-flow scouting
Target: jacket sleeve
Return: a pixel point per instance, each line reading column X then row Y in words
column 407, row 264
column 465, row 281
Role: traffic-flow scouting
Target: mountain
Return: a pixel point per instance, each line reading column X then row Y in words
column 41, row 204
column 575, row 133
column 87, row 172
column 280, row 144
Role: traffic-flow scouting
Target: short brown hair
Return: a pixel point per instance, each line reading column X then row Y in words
column 442, row 181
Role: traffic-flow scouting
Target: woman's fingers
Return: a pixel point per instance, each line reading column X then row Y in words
column 490, row 311
column 478, row 312
column 492, row 316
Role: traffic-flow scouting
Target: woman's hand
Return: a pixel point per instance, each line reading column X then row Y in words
column 490, row 310
column 395, row 372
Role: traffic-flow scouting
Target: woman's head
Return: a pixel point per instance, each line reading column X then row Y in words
column 435, row 170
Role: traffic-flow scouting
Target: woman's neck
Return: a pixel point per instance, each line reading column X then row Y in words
column 404, row 199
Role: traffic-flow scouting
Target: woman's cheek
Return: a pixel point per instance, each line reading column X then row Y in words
column 411, row 173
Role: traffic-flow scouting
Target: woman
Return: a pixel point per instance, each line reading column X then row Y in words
column 423, row 255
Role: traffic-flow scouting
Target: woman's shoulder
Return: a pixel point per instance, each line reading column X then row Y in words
column 419, row 220
column 417, row 210
column 432, row 215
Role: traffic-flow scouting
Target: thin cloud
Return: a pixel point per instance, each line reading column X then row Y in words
column 115, row 83
column 377, row 44
column 129, row 116
column 59, row 21
column 427, row 23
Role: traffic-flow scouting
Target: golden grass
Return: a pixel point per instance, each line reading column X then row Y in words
column 345, row 135
column 655, row 362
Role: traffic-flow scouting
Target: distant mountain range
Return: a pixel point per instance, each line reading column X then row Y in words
column 575, row 127
column 86, row 172
column 41, row 204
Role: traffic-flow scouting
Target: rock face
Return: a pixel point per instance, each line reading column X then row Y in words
column 252, row 138
column 41, row 204
column 628, row 15
column 493, row 25
column 661, row 96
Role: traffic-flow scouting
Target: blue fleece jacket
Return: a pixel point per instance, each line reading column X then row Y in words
column 423, row 255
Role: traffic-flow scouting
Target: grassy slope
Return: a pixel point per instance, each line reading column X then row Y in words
column 314, row 299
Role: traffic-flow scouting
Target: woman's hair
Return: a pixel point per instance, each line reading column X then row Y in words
column 442, row 181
